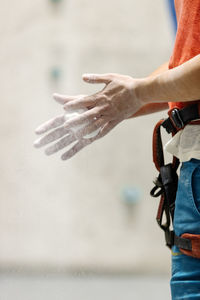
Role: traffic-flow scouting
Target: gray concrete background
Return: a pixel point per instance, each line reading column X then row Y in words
column 73, row 215
column 53, row 287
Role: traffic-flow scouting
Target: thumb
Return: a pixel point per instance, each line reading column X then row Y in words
column 97, row 78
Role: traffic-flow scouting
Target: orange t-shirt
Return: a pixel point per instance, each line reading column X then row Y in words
column 187, row 43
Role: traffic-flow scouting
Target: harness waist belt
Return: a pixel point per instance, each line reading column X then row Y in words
column 178, row 118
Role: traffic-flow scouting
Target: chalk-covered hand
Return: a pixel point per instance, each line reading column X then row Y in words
column 100, row 113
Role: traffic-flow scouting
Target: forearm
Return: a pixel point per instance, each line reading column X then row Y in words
column 150, row 108
column 153, row 107
column 176, row 85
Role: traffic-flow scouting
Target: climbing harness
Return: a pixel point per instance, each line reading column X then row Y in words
column 167, row 181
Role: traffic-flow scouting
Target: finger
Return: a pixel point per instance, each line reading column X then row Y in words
column 83, row 103
column 53, row 123
column 97, row 78
column 82, row 119
column 76, row 148
column 64, row 142
column 63, row 99
column 51, row 137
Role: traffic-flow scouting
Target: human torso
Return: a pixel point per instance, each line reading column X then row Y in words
column 187, row 45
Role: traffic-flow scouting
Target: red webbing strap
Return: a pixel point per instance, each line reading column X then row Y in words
column 195, row 122
column 195, row 240
column 158, row 157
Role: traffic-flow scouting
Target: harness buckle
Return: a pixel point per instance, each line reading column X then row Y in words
column 176, row 118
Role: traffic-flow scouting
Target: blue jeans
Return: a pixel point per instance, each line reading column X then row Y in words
column 185, row 281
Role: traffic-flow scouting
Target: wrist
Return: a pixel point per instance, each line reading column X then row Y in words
column 156, row 89
column 144, row 90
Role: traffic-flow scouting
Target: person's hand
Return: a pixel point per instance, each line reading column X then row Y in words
column 103, row 110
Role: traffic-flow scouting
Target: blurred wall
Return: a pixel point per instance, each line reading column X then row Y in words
column 94, row 211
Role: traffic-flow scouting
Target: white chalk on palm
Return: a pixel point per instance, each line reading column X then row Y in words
column 92, row 134
column 73, row 114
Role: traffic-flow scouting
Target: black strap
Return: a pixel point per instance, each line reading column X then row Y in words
column 169, row 238
column 182, row 243
column 168, row 125
column 172, row 239
column 189, row 113
column 181, row 117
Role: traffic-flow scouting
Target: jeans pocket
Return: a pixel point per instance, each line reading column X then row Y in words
column 195, row 188
column 187, row 205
